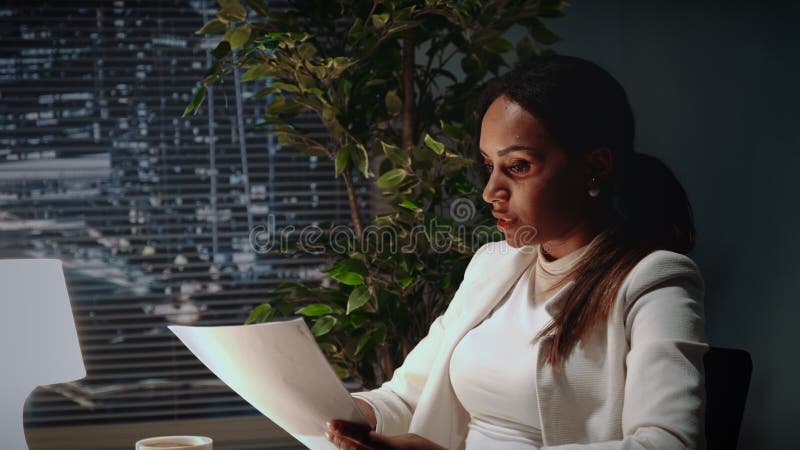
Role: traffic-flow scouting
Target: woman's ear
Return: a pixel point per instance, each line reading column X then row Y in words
column 599, row 162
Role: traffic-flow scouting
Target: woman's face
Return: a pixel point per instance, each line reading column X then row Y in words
column 531, row 185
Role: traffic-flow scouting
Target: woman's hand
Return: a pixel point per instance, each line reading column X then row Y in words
column 352, row 436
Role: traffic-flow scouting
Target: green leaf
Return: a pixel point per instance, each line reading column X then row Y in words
column 231, row 10
column 470, row 64
column 358, row 298
column 349, row 271
column 552, row 8
column 447, row 280
column 323, row 325
column 541, row 33
column 396, row 154
column 227, row 36
column 263, row 93
column 385, row 220
column 376, row 81
column 328, row 347
column 422, row 156
column 330, row 119
column 221, row 50
column 259, row 7
column 391, row 179
column 284, row 105
column 355, row 32
column 214, row 26
column 342, row 158
column 408, row 204
column 199, row 95
column 405, row 282
column 452, row 130
column 451, row 14
column 213, row 74
column 315, row 150
column 259, row 71
column 302, row 37
column 356, row 321
column 338, row 65
column 305, row 81
column 393, row 103
column 434, row 145
column 343, row 88
column 379, row 20
column 351, row 279
column 286, row 87
column 499, row 45
column 261, row 313
column 340, row 370
column 525, row 49
column 362, row 342
column 314, row 309
column 240, row 36
column 360, row 160
column 307, row 50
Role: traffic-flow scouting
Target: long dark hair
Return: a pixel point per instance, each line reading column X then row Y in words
column 583, row 107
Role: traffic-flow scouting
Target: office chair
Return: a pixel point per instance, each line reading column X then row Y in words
column 727, row 382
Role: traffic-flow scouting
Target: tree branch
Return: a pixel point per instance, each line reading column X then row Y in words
column 351, row 198
column 409, row 105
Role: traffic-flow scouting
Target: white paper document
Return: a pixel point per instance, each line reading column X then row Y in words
column 279, row 369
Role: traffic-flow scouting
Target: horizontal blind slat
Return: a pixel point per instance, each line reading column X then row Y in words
column 94, row 151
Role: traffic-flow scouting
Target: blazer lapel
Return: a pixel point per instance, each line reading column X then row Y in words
column 500, row 271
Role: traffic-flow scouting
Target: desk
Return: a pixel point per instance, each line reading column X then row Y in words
column 235, row 433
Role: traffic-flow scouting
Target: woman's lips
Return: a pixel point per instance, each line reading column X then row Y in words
column 502, row 220
column 504, row 223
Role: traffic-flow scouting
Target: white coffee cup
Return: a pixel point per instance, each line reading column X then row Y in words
column 175, row 443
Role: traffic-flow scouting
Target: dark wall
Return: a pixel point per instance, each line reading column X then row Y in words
column 714, row 86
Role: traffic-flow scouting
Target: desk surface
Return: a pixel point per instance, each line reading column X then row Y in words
column 232, row 433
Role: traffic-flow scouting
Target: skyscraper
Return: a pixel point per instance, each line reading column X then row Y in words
column 150, row 212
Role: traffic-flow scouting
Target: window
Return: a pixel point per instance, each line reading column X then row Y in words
column 150, row 213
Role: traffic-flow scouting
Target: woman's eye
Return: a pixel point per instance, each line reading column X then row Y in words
column 517, row 168
column 520, row 167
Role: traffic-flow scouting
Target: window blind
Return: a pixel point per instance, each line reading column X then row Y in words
column 150, row 212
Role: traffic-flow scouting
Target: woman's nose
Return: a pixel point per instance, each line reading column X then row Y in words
column 494, row 191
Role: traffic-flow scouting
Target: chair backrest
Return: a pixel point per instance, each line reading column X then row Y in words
column 727, row 382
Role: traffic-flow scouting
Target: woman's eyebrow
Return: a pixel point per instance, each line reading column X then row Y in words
column 512, row 148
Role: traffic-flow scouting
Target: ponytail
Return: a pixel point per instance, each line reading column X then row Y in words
column 653, row 207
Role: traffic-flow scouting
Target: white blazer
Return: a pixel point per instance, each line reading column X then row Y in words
column 638, row 383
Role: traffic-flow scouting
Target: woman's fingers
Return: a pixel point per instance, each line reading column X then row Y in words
column 379, row 441
column 349, row 428
column 348, row 435
column 356, row 445
column 353, row 436
column 346, row 443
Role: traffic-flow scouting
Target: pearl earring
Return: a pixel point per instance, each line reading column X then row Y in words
column 594, row 188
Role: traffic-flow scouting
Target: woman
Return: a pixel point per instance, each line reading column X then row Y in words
column 584, row 329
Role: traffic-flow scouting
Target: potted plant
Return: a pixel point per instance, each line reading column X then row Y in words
column 404, row 125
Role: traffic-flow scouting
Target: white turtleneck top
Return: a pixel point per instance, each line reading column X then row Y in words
column 492, row 369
